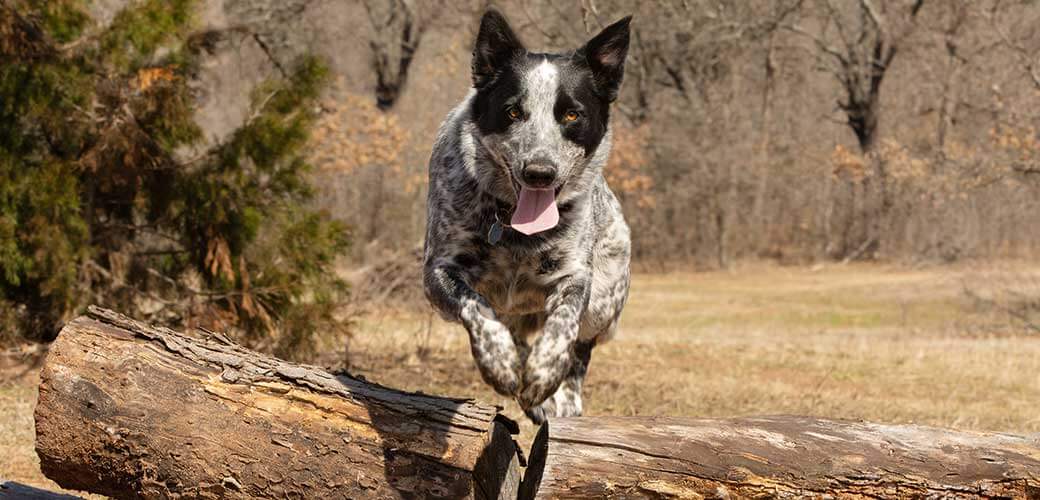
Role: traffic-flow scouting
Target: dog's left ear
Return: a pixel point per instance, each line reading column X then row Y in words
column 605, row 55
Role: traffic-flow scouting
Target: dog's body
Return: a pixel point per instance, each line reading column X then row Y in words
column 528, row 144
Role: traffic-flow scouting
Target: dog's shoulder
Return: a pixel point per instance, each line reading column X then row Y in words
column 450, row 146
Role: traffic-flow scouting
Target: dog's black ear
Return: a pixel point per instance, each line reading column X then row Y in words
column 496, row 45
column 605, row 55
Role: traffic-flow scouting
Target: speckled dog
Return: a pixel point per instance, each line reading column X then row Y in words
column 523, row 235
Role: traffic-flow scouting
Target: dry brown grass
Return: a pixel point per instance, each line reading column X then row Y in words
column 17, row 460
column 19, row 377
column 859, row 342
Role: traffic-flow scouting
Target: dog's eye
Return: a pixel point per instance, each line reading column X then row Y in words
column 570, row 116
column 514, row 112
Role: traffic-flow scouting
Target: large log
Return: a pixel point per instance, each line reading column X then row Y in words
column 775, row 457
column 132, row 411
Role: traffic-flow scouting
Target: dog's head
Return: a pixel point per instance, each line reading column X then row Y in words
column 544, row 116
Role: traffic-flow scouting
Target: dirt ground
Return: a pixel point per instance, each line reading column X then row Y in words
column 869, row 342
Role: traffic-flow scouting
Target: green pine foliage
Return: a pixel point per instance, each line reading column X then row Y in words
column 98, row 203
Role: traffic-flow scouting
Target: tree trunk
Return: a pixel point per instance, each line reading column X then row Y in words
column 133, row 411
column 774, row 457
column 764, row 167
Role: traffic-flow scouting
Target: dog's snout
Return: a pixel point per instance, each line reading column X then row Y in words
column 539, row 175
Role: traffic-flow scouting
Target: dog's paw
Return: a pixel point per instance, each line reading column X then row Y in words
column 496, row 357
column 563, row 403
column 548, row 363
column 537, row 414
column 535, row 391
column 541, row 379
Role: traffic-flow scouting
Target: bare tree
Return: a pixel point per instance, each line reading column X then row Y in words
column 1027, row 56
column 397, row 29
column 955, row 61
column 723, row 152
column 869, row 39
column 856, row 43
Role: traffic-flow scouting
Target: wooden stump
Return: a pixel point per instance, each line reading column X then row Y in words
column 775, row 457
column 133, row 411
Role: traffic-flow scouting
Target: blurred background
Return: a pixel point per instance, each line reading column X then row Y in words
column 834, row 203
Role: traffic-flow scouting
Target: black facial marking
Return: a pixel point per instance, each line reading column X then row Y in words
column 490, row 107
column 578, row 92
column 496, row 53
column 588, row 80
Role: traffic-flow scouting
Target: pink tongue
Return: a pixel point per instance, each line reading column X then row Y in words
column 535, row 211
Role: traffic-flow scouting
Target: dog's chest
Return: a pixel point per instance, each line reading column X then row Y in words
column 518, row 284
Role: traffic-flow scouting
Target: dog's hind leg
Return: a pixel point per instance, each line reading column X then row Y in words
column 566, row 401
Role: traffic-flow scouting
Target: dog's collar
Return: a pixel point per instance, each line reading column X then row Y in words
column 503, row 210
column 494, row 234
column 502, row 213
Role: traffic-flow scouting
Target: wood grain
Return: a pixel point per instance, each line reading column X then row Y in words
column 775, row 457
column 134, row 411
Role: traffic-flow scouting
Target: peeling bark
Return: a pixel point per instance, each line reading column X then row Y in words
column 133, row 411
column 775, row 457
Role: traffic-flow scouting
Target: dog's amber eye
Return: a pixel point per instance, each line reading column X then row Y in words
column 570, row 116
column 514, row 112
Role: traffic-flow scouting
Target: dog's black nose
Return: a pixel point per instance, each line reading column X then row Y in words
column 539, row 175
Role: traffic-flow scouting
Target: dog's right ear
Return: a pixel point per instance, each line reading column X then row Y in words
column 495, row 47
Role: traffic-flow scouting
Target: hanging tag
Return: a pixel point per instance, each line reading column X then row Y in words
column 495, row 233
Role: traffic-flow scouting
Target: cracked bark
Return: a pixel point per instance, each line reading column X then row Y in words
column 134, row 411
column 157, row 413
column 775, row 457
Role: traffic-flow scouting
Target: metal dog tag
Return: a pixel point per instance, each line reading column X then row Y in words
column 495, row 233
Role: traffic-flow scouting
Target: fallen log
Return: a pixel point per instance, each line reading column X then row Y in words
column 133, row 411
column 774, row 457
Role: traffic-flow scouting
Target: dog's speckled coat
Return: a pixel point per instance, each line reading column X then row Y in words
column 568, row 283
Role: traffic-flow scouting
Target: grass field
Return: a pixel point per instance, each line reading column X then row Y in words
column 859, row 342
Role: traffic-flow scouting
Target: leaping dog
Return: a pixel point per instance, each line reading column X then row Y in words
column 523, row 235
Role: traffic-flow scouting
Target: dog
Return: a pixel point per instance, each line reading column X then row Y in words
column 523, row 235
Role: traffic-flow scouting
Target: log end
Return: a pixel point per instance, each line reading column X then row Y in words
column 497, row 472
column 535, row 464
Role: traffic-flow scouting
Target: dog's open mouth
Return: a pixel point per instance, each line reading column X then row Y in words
column 535, row 211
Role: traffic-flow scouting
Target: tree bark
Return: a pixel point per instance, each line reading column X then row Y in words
column 775, row 457
column 133, row 411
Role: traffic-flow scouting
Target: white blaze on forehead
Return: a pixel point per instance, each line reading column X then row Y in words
column 541, row 86
column 546, row 71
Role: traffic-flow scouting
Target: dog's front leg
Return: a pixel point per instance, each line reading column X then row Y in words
column 551, row 356
column 490, row 341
